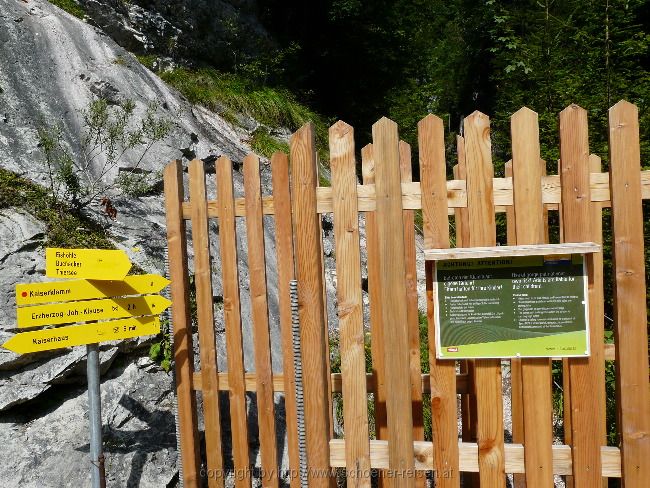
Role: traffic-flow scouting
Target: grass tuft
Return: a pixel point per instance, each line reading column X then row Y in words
column 273, row 107
column 70, row 6
column 65, row 228
column 264, row 144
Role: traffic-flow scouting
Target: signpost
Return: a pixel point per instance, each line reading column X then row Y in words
column 63, row 291
column 91, row 264
column 100, row 291
column 504, row 305
column 87, row 310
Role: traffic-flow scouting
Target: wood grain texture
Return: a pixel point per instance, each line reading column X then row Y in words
column 598, row 324
column 487, row 373
column 456, row 195
column 468, row 457
column 308, row 253
column 232, row 319
column 576, row 223
column 285, row 260
column 205, row 319
column 183, row 344
column 630, row 294
column 260, row 315
column 516, row 386
column 412, row 315
column 468, row 400
column 519, row 250
column 535, row 372
column 436, row 235
column 390, row 229
column 350, row 312
column 374, row 294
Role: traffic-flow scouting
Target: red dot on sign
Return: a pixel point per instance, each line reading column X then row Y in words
column 24, row 294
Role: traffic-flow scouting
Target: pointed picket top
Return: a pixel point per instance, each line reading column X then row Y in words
column 572, row 111
column 619, row 110
column 430, row 120
column 384, row 124
column 524, row 113
column 478, row 119
column 306, row 131
column 339, row 129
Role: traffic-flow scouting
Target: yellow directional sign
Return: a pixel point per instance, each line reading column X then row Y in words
column 68, row 290
column 76, row 335
column 90, row 264
column 84, row 311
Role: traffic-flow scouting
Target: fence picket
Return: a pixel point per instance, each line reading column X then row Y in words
column 315, row 350
column 487, row 372
column 260, row 314
column 348, row 274
column 183, row 344
column 516, row 386
column 390, row 230
column 284, row 253
column 232, row 320
column 576, row 222
column 205, row 319
column 630, row 292
column 467, row 400
column 535, row 372
column 598, row 324
column 435, row 218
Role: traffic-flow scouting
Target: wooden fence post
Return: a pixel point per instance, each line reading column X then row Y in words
column 630, row 293
column 444, row 419
column 390, row 229
column 260, row 314
column 487, row 372
column 576, row 222
column 315, row 349
column 205, row 318
column 232, row 320
column 535, row 372
column 350, row 307
column 285, row 262
column 183, row 347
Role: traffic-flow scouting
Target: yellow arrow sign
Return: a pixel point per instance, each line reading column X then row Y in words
column 91, row 264
column 110, row 308
column 76, row 335
column 68, row 290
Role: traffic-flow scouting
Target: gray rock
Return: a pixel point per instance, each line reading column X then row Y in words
column 69, row 366
column 46, row 446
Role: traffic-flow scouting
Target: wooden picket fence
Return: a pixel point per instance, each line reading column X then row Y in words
column 387, row 201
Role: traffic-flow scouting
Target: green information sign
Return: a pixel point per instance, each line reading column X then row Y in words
column 519, row 306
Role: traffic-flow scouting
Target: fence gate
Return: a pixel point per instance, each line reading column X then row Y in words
column 391, row 401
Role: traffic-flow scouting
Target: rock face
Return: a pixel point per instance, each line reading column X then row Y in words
column 219, row 32
column 52, row 65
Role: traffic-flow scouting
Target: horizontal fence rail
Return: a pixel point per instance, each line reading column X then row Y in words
column 387, row 412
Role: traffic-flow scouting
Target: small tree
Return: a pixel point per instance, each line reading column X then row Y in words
column 109, row 132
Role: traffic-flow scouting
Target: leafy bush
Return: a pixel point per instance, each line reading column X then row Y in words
column 109, row 132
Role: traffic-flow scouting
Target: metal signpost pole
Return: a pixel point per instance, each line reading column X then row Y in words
column 98, row 475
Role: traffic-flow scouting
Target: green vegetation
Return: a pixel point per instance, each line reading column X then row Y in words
column 70, row 6
column 223, row 92
column 65, row 226
column 110, row 134
column 264, row 144
column 148, row 60
column 161, row 351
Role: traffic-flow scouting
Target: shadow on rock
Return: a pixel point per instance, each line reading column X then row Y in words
column 158, row 433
